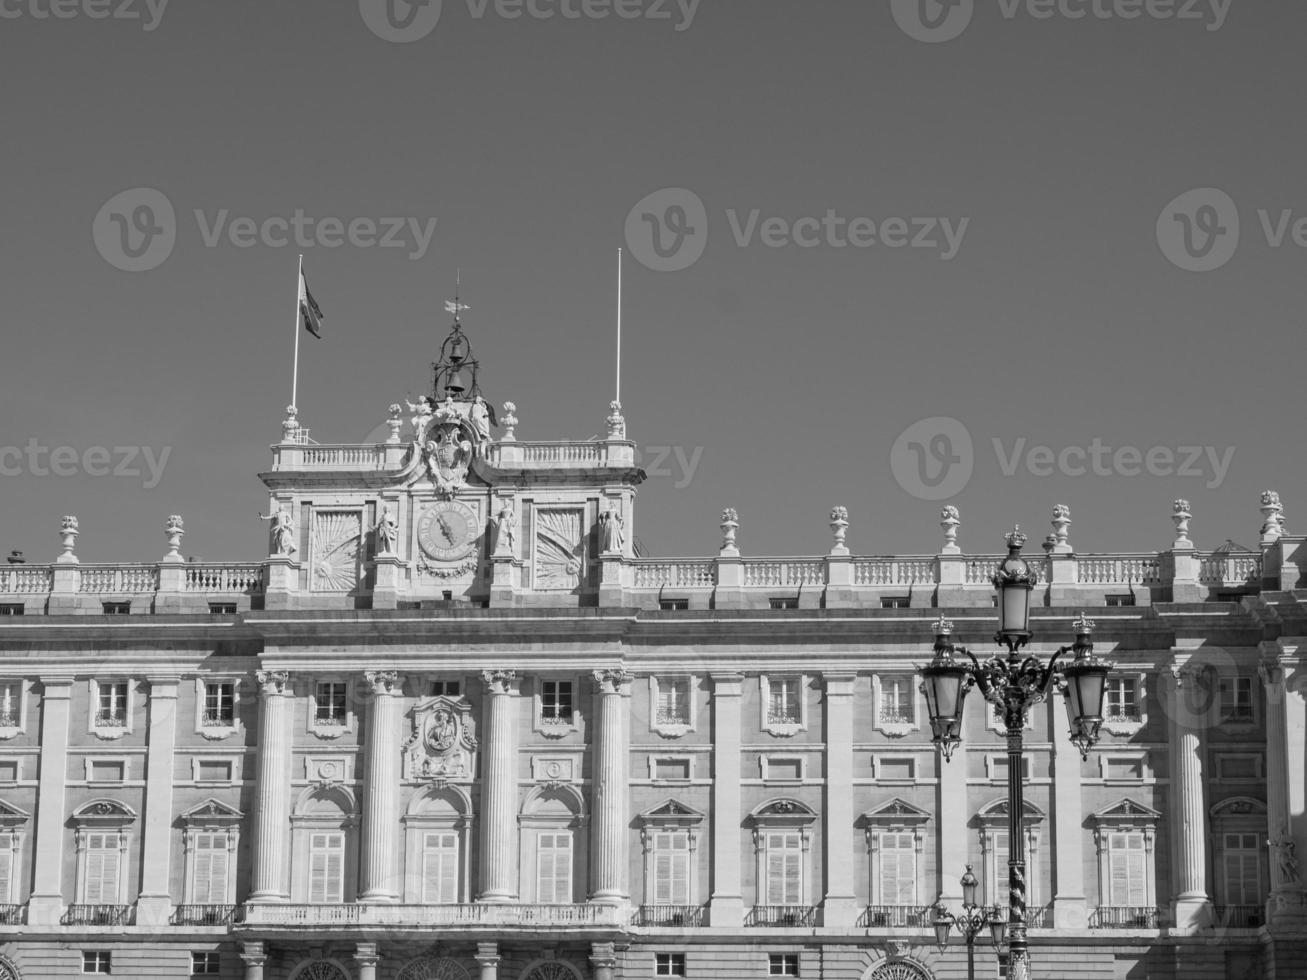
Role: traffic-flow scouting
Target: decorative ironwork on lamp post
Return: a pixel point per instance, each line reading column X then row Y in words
column 970, row 923
column 1014, row 685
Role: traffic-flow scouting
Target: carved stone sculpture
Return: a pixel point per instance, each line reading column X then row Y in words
column 387, row 532
column 283, row 532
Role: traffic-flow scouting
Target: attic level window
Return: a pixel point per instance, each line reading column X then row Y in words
column 116, row 608
column 111, row 711
column 219, row 705
column 445, row 689
column 222, row 609
column 11, row 608
column 1237, row 699
column 1120, row 600
column 670, row 605
column 895, row 602
column 556, row 701
column 331, row 701
column 785, row 602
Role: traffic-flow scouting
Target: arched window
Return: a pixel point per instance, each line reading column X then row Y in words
column 320, row 970
column 782, row 840
column 323, row 846
column 433, row 968
column 552, row 970
column 8, row 971
column 553, row 823
column 437, row 847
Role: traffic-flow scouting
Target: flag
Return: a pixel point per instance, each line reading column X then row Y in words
column 310, row 312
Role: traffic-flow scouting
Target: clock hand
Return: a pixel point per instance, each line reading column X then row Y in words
column 445, row 528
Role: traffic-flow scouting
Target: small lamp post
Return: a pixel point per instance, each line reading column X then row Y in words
column 1014, row 685
column 970, row 923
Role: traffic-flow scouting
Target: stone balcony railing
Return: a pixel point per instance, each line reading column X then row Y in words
column 311, row 457
column 470, row 916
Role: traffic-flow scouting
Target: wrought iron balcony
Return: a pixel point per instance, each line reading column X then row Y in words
column 204, row 915
column 782, row 916
column 669, row 916
column 1125, row 917
column 1240, row 916
column 1040, row 918
column 472, row 916
column 116, row 718
column 12, row 915
column 894, row 917
column 218, row 719
column 99, row 915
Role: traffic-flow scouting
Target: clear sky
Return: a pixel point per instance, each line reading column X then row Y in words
column 795, row 357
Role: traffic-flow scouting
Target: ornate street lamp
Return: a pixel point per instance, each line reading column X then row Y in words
column 1014, row 685
column 970, row 923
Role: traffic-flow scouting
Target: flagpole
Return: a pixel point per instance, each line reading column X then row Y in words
column 619, row 326
column 295, row 369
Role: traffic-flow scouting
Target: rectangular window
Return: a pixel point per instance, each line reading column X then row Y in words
column 556, row 701
column 1240, row 768
column 440, row 868
column 1241, row 862
column 222, row 609
column 213, row 771
column 106, row 770
column 783, row 965
column 671, row 769
column 896, row 700
column 1122, row 699
column 116, row 608
column 1127, row 869
column 219, row 705
column 8, row 770
column 11, row 608
column 554, row 868
column 669, row 964
column 97, row 961
column 895, row 602
column 784, row 869
column 1123, row 767
column 896, row 769
column 671, row 605
column 783, row 705
column 326, row 868
column 1120, row 600
column 673, row 701
column 212, row 867
column 898, row 869
column 998, row 768
column 1237, row 699
column 331, row 703
column 785, row 602
column 446, row 689
column 777, row 768
column 671, row 868
column 11, row 704
column 205, row 964
column 103, row 854
column 112, row 709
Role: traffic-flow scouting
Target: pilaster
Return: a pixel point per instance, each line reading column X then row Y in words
column 487, row 957
column 379, row 881
column 255, row 958
column 726, row 906
column 1070, row 906
column 155, row 903
column 389, row 575
column 603, row 957
column 499, row 789
column 1191, row 905
column 1286, row 762
column 839, row 907
column 954, row 841
column 46, row 905
column 282, row 581
column 367, row 957
column 269, row 880
column 611, row 793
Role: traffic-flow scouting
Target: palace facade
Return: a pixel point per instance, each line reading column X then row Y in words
column 453, row 726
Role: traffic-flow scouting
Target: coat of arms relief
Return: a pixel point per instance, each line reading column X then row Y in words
column 443, row 742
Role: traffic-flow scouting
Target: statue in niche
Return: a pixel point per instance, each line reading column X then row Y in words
column 283, row 531
column 612, row 536
column 387, row 532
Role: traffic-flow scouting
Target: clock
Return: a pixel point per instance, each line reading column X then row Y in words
column 448, row 530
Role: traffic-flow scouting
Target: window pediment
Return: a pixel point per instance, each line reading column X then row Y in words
column 1126, row 812
column 103, row 813
column 783, row 813
column 672, row 813
column 896, row 813
column 996, row 814
column 212, row 813
column 1236, row 807
column 12, row 817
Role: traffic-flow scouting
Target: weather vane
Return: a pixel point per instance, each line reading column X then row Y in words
column 454, row 306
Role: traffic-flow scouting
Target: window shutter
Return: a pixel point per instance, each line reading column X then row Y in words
column 210, row 886
column 6, row 867
column 555, row 868
column 440, row 869
column 102, row 869
column 898, row 867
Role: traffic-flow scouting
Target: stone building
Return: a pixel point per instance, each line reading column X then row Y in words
column 452, row 726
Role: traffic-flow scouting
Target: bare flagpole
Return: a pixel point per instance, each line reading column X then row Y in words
column 295, row 369
column 619, row 326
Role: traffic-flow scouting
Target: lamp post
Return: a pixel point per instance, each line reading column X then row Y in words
column 970, row 923
column 1015, row 685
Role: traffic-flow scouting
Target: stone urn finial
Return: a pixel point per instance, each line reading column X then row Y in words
column 509, row 422
column 395, row 422
column 1061, row 522
column 290, row 425
column 616, row 422
column 730, row 525
column 1180, row 517
column 1272, row 518
column 839, row 526
column 174, row 529
column 950, row 520
column 69, row 530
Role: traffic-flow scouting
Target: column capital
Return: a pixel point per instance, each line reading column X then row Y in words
column 160, row 684
column 57, row 686
column 499, row 681
column 366, row 954
column 611, row 680
column 383, row 683
column 728, row 685
column 273, row 683
column 839, row 684
column 253, row 954
column 603, row 955
column 487, row 954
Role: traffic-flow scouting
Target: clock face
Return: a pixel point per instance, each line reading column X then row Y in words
column 448, row 530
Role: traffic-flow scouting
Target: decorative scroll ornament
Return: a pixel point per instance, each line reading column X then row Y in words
column 337, row 536
column 443, row 740
column 559, row 549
